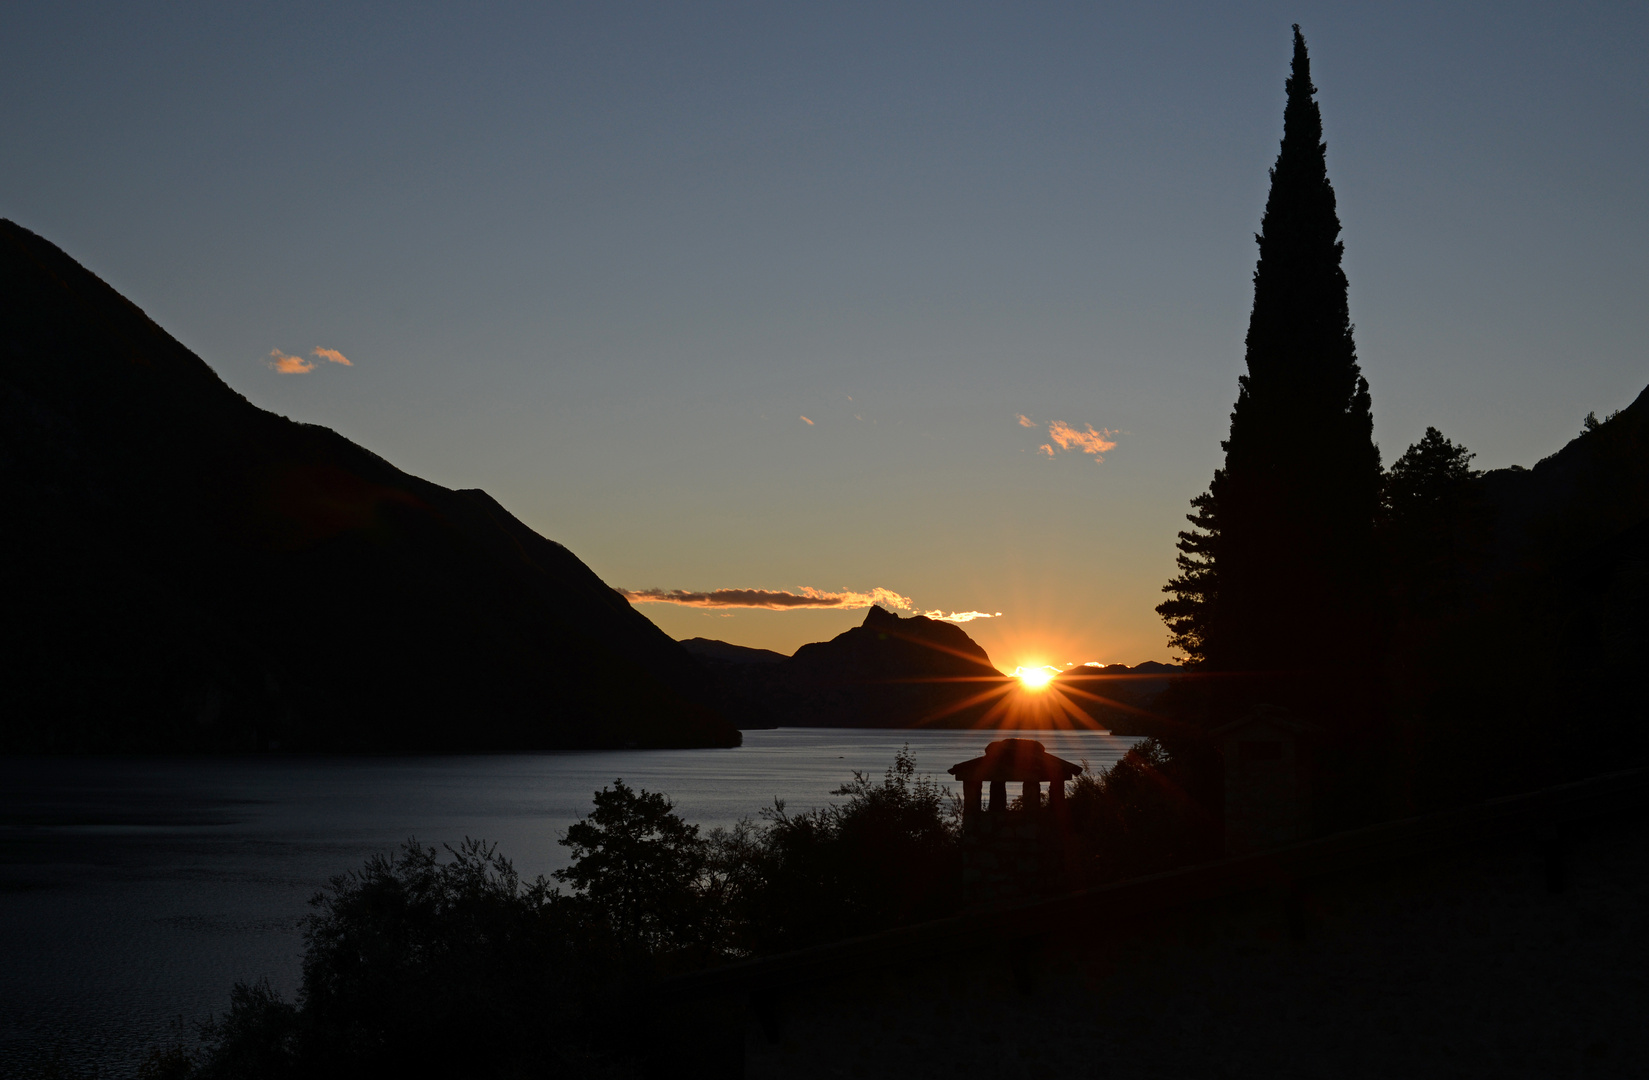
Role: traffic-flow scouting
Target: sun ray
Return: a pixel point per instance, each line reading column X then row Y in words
column 1111, row 702
column 966, row 703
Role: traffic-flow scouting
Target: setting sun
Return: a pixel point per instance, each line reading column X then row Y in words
column 1034, row 678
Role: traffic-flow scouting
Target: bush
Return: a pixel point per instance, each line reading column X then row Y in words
column 415, row 966
column 890, row 855
column 1137, row 817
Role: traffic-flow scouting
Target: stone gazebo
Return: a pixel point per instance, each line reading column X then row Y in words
column 1006, row 854
column 1024, row 761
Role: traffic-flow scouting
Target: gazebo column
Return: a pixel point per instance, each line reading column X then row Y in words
column 999, row 796
column 1031, row 795
column 971, row 790
column 1056, row 794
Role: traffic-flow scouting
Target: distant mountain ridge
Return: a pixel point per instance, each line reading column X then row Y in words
column 1116, row 696
column 723, row 652
column 887, row 672
column 184, row 570
column 897, row 671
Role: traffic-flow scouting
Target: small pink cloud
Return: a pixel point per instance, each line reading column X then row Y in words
column 1025, row 421
column 806, row 421
column 289, row 365
column 1097, row 443
column 1045, row 449
column 331, row 356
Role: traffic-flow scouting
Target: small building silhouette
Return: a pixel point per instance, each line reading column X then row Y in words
column 1268, row 767
column 1022, row 761
column 1009, row 854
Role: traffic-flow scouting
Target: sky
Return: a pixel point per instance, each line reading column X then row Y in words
column 941, row 304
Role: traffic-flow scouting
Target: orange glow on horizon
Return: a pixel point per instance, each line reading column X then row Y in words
column 1035, row 678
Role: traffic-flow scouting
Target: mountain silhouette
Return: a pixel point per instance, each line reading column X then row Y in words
column 711, row 651
column 1593, row 491
column 1565, row 584
column 1117, row 697
column 889, row 671
column 897, row 671
column 186, row 571
column 1519, row 623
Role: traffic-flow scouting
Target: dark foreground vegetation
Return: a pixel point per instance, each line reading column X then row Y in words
column 447, row 963
column 1431, row 623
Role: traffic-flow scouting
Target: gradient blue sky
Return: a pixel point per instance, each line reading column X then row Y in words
column 600, row 259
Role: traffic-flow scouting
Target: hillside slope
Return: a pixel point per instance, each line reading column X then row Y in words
column 1540, row 645
column 184, row 570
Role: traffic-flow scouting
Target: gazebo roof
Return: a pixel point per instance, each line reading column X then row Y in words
column 1015, row 759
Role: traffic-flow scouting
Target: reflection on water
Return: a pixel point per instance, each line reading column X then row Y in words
column 135, row 891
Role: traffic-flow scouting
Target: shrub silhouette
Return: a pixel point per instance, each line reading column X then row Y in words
column 417, row 966
column 890, row 854
column 422, row 965
column 1137, row 817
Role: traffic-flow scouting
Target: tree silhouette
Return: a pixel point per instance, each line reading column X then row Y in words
column 1278, row 569
column 1433, row 523
column 639, row 864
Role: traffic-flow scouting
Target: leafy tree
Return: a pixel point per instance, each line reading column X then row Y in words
column 1432, row 524
column 1591, row 423
column 1278, row 569
column 639, row 865
column 1429, row 474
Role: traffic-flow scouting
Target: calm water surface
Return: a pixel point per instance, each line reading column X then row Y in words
column 134, row 892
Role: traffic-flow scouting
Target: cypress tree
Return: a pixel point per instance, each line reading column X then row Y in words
column 1277, row 574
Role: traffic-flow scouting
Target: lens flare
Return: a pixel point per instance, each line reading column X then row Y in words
column 1035, row 678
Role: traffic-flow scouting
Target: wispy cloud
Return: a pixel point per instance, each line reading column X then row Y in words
column 331, row 356
column 806, row 421
column 771, row 600
column 1098, row 443
column 961, row 616
column 289, row 365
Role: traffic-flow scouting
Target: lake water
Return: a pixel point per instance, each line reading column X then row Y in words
column 135, row 891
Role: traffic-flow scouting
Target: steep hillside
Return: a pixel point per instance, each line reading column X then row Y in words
column 184, row 570
column 1531, row 673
